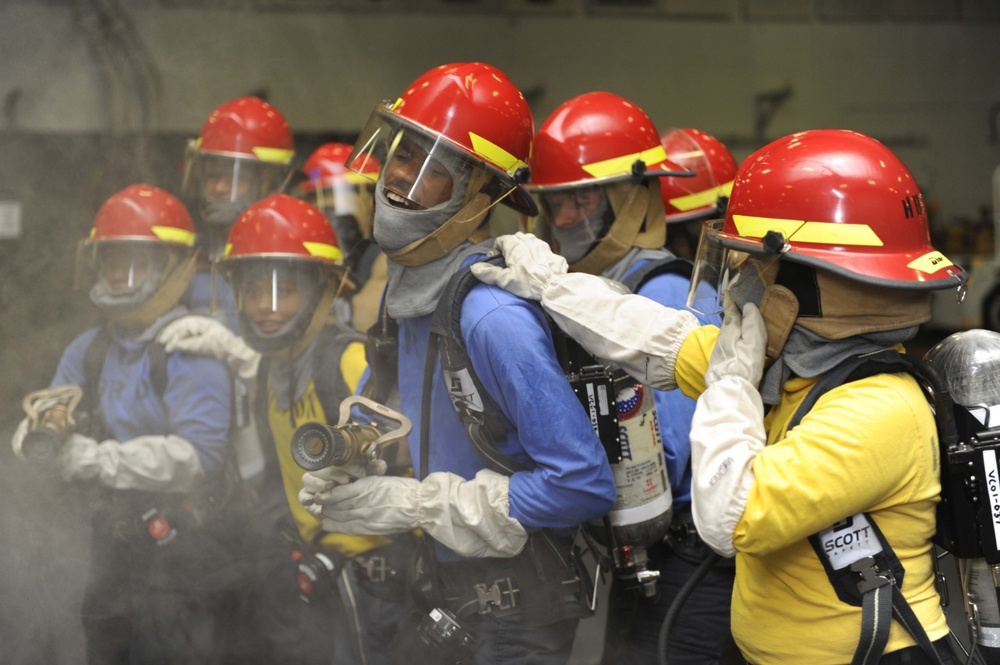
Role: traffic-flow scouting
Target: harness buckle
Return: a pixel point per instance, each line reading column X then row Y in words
column 375, row 567
column 871, row 577
column 503, row 599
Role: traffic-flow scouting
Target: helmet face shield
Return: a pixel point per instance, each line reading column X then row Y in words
column 567, row 208
column 722, row 272
column 420, row 170
column 122, row 267
column 574, row 219
column 273, row 295
column 231, row 178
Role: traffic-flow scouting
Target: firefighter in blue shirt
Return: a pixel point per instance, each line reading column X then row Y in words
column 151, row 443
column 501, row 514
column 605, row 217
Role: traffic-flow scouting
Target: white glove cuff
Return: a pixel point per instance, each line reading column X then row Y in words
column 727, row 433
column 470, row 517
column 151, row 463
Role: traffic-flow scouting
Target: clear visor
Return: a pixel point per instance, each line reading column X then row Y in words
column 230, row 178
column 271, row 294
column 124, row 266
column 420, row 171
column 567, row 208
column 721, row 272
column 572, row 219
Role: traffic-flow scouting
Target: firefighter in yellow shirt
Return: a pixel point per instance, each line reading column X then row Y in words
column 823, row 260
column 284, row 264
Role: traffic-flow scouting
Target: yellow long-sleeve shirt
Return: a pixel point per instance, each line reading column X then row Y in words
column 867, row 446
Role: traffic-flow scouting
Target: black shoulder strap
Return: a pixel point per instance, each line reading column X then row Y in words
column 479, row 413
column 331, row 389
column 665, row 266
column 158, row 368
column 888, row 361
column 860, row 563
column 382, row 355
column 93, row 363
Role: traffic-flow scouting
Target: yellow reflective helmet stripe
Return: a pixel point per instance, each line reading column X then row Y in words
column 701, row 199
column 623, row 165
column 275, row 155
column 229, row 249
column 174, row 235
column 495, row 154
column 930, row 262
column 819, row 233
column 355, row 178
column 323, row 250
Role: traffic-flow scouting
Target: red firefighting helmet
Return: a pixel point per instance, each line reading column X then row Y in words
column 704, row 195
column 247, row 127
column 282, row 226
column 471, row 109
column 837, row 200
column 597, row 138
column 143, row 213
column 281, row 241
column 327, row 167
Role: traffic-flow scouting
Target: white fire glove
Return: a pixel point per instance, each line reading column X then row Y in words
column 151, row 463
column 531, row 266
column 470, row 517
column 727, row 430
column 629, row 331
column 205, row 336
column 324, row 480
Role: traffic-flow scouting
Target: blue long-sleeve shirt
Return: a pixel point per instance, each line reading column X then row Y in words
column 568, row 480
column 195, row 404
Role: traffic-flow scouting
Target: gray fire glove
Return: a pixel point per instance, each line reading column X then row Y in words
column 205, row 336
column 470, row 517
column 629, row 331
column 324, row 480
column 151, row 463
column 727, row 430
column 531, row 266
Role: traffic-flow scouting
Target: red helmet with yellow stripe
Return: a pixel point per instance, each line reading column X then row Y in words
column 841, row 201
column 704, row 195
column 244, row 153
column 281, row 260
column 467, row 112
column 282, row 226
column 142, row 254
column 597, row 138
column 143, row 213
column 247, row 127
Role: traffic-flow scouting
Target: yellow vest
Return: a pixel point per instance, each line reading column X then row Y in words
column 308, row 408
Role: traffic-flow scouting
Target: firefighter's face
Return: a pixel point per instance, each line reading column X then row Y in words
column 571, row 206
column 270, row 302
column 414, row 181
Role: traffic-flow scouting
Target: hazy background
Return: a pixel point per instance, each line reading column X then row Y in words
column 99, row 94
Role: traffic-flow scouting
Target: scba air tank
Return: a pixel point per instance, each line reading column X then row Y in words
column 643, row 505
